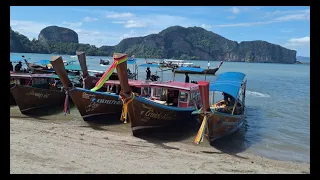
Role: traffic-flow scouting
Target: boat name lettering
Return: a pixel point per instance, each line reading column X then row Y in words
column 106, row 101
column 38, row 94
column 87, row 96
column 159, row 115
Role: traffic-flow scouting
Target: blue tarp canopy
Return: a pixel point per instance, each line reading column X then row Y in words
column 191, row 69
column 44, row 62
column 149, row 65
column 229, row 82
column 131, row 61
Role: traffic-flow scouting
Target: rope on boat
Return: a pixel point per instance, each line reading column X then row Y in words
column 66, row 108
column 108, row 73
column 201, row 132
column 125, row 101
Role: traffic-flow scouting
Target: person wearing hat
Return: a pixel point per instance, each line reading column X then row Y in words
column 17, row 67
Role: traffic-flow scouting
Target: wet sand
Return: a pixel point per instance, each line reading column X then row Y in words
column 42, row 147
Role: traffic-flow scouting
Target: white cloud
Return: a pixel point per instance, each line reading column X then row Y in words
column 286, row 16
column 132, row 33
column 293, row 17
column 205, row 26
column 295, row 43
column 299, row 44
column 300, row 41
column 72, row 24
column 277, row 13
column 235, row 10
column 30, row 29
column 114, row 15
column 134, row 24
column 89, row 19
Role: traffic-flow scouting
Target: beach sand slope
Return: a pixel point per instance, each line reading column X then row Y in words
column 38, row 147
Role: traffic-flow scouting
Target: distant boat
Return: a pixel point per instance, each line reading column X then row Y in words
column 197, row 70
column 73, row 56
column 105, row 62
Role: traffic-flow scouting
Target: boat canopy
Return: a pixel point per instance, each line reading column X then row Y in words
column 191, row 69
column 131, row 61
column 44, row 62
column 149, row 65
column 229, row 82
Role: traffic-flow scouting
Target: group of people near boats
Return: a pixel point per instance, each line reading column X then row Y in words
column 17, row 67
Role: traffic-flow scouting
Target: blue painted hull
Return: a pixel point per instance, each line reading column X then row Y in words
column 97, row 106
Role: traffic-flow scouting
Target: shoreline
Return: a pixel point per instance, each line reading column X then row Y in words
column 38, row 147
column 175, row 59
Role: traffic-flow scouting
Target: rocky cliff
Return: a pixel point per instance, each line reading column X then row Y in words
column 56, row 34
column 177, row 42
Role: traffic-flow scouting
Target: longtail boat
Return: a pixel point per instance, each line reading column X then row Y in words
column 44, row 66
column 12, row 101
column 33, row 92
column 94, row 103
column 197, row 70
column 224, row 116
column 169, row 104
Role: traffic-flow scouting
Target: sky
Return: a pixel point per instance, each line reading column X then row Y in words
column 287, row 26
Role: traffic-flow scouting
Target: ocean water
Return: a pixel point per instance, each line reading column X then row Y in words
column 278, row 106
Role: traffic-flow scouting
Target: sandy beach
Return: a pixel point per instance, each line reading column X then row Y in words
column 41, row 148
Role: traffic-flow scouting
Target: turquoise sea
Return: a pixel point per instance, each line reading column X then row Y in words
column 278, row 106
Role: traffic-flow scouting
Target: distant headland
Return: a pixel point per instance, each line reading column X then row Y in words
column 175, row 42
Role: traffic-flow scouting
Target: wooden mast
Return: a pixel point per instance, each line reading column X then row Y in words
column 83, row 63
column 58, row 67
column 122, row 72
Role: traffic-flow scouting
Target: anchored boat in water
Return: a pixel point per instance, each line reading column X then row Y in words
column 224, row 116
column 197, row 70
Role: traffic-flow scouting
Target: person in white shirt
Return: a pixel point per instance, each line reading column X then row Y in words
column 208, row 64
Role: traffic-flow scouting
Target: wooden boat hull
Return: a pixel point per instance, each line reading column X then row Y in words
column 206, row 71
column 146, row 114
column 31, row 99
column 98, row 106
column 221, row 125
column 12, row 100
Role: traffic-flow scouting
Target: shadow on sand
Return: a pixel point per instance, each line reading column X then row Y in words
column 246, row 136
column 100, row 124
column 160, row 136
column 40, row 114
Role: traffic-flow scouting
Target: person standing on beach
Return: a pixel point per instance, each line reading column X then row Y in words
column 208, row 64
column 187, row 79
column 148, row 73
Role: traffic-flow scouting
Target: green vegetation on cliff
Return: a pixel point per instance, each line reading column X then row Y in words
column 175, row 42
